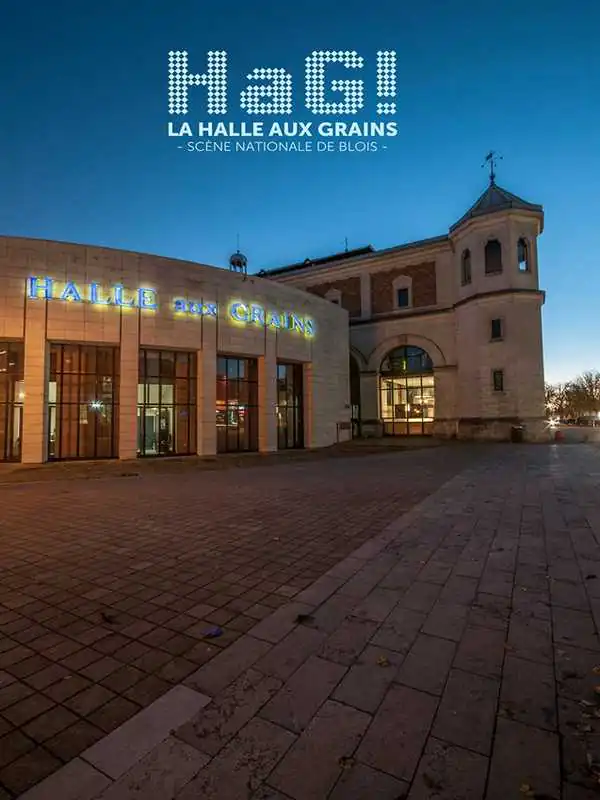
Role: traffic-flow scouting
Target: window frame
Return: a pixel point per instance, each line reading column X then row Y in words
column 247, row 381
column 466, row 275
column 73, row 377
column 522, row 241
column 402, row 289
column 161, row 357
column 402, row 282
column 497, row 269
column 498, row 386
column 12, row 393
column 290, row 402
column 500, row 336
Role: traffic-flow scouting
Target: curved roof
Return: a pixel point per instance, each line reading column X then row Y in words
column 495, row 198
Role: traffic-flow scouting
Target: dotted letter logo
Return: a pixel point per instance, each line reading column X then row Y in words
column 315, row 82
column 386, row 80
column 215, row 80
column 279, row 92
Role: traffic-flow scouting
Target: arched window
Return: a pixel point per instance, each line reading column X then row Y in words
column 493, row 257
column 406, row 392
column 523, row 255
column 465, row 267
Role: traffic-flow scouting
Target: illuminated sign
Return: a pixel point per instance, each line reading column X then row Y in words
column 257, row 315
column 194, row 309
column 49, row 289
column 145, row 298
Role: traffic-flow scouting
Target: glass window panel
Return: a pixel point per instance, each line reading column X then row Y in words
column 493, row 256
column 15, row 359
column 168, row 412
column 402, row 298
column 221, row 367
column 183, row 392
column 4, row 445
column 70, row 359
column 166, row 394
column 152, row 364
column 81, row 392
column 252, row 370
column 233, row 368
column 105, row 361
column 106, row 388
column 221, row 391
column 88, row 387
column 405, row 401
column 182, row 431
column 54, row 361
column 236, row 401
column 232, row 440
column 88, row 360
column 183, row 364
column 233, row 391
column 243, row 392
column 221, row 438
column 167, row 364
column 152, row 393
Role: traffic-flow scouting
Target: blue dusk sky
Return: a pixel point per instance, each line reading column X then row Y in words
column 85, row 156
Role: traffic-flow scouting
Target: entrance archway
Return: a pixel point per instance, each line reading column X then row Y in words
column 406, row 392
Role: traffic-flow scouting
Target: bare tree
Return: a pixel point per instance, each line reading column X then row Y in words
column 578, row 397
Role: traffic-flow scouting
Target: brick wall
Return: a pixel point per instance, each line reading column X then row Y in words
column 423, row 287
column 350, row 291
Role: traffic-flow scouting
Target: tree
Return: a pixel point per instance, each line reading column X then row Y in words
column 579, row 397
column 586, row 389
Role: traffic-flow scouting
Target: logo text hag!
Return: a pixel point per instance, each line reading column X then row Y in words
column 270, row 90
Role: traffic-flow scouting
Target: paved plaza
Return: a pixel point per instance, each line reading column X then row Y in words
column 415, row 624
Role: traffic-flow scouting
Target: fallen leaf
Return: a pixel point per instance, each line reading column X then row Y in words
column 213, row 633
column 382, row 661
column 346, row 762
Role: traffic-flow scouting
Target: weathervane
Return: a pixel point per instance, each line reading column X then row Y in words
column 492, row 159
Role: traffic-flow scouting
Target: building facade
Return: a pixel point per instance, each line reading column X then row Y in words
column 112, row 354
column 445, row 333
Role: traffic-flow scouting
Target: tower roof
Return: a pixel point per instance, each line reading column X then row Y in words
column 495, row 198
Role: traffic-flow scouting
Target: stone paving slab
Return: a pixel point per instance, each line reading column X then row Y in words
column 480, row 679
column 110, row 586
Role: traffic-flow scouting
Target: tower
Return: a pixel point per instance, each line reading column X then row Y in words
column 500, row 376
column 238, row 263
